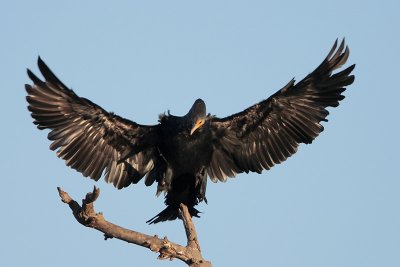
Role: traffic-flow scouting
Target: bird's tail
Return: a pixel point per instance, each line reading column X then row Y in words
column 171, row 213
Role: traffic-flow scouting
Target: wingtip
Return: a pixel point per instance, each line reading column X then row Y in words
column 33, row 77
column 29, row 72
column 341, row 46
column 42, row 66
column 48, row 75
column 28, row 87
column 39, row 60
column 342, row 40
column 333, row 49
column 336, row 48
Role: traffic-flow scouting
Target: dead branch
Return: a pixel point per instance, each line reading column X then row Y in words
column 86, row 215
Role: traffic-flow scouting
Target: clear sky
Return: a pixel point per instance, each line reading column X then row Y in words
column 334, row 203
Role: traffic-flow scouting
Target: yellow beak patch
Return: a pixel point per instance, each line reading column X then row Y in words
column 197, row 125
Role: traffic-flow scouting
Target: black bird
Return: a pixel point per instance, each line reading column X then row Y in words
column 179, row 153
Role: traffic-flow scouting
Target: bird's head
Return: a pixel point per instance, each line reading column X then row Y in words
column 197, row 115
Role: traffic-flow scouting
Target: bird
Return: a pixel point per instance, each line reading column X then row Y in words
column 180, row 153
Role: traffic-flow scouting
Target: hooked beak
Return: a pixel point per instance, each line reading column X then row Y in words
column 197, row 125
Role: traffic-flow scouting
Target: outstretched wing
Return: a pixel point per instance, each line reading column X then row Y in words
column 88, row 138
column 269, row 132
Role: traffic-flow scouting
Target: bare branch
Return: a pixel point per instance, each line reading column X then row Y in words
column 192, row 240
column 87, row 216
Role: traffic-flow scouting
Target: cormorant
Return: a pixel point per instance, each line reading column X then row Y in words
column 179, row 153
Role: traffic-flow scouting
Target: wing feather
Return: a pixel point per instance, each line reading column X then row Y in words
column 89, row 139
column 269, row 132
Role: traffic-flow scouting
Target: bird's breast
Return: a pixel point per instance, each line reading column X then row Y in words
column 186, row 153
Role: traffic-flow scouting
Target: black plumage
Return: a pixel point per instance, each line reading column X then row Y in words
column 179, row 153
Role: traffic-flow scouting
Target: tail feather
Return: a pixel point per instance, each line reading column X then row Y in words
column 171, row 213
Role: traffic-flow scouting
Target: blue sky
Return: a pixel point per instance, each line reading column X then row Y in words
column 334, row 203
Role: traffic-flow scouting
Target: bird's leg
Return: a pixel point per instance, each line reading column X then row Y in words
column 201, row 184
